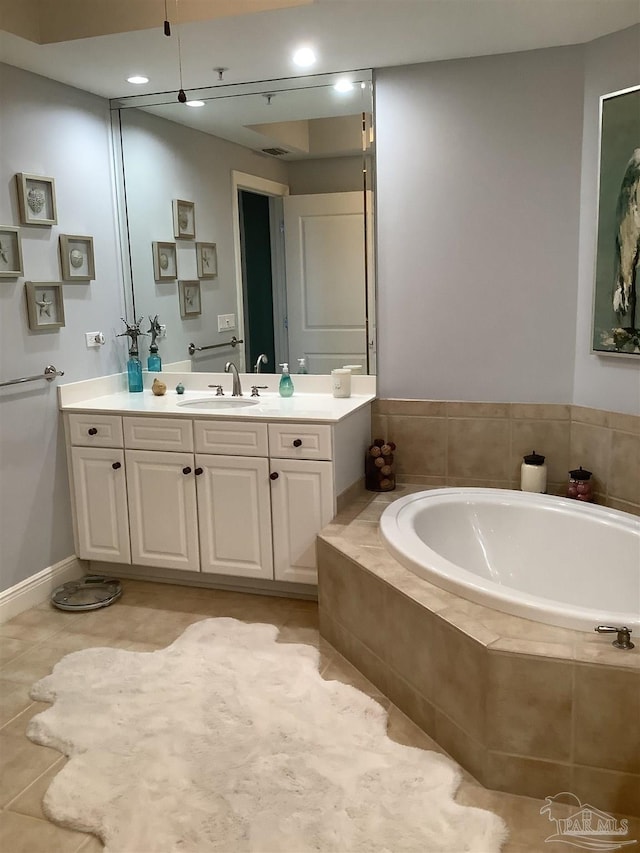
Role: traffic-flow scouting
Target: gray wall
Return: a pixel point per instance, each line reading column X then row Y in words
column 611, row 64
column 333, row 175
column 478, row 169
column 53, row 130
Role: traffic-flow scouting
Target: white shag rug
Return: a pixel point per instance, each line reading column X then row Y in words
column 229, row 741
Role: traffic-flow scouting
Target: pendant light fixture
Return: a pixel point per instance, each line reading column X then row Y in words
column 182, row 97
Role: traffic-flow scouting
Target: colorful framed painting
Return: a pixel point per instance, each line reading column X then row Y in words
column 616, row 312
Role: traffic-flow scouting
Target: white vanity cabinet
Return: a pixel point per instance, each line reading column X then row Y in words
column 233, row 498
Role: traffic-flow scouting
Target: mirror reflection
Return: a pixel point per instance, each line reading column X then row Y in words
column 249, row 215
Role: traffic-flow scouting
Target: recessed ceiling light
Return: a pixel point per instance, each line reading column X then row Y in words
column 343, row 86
column 195, row 103
column 138, row 79
column 304, row 57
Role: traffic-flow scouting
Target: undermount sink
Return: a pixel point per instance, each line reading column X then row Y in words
column 219, row 403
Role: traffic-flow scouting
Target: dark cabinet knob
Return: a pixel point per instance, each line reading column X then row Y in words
column 199, row 471
column 186, row 470
column 92, row 431
column 116, row 465
column 297, row 442
column 274, row 476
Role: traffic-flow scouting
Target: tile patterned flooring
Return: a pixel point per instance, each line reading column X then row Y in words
column 147, row 617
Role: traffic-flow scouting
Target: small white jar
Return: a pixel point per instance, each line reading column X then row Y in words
column 533, row 473
column 341, row 382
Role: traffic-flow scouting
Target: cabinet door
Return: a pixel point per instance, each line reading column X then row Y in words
column 162, row 509
column 302, row 503
column 100, row 495
column 234, row 515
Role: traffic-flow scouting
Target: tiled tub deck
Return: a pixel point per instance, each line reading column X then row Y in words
column 526, row 708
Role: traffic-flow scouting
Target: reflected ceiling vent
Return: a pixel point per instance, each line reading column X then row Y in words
column 276, row 152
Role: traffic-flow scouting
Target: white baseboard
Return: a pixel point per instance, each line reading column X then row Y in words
column 36, row 589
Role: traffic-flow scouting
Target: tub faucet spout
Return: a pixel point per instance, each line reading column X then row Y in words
column 237, row 387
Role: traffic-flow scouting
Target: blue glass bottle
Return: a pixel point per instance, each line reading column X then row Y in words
column 134, row 372
column 286, row 384
column 154, row 362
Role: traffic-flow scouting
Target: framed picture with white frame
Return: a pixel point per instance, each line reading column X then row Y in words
column 45, row 306
column 207, row 260
column 10, row 252
column 76, row 258
column 36, row 199
column 189, row 293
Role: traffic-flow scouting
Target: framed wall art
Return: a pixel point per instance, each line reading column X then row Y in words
column 184, row 219
column 45, row 306
column 76, row 258
column 36, row 199
column 207, row 260
column 616, row 312
column 189, row 293
column 10, row 252
column 165, row 266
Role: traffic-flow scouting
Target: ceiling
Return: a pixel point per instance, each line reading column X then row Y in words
column 257, row 45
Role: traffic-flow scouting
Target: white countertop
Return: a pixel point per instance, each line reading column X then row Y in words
column 105, row 395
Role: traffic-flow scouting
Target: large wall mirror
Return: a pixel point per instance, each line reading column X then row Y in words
column 247, row 213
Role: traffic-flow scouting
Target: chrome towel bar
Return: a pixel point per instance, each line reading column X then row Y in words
column 49, row 373
column 232, row 343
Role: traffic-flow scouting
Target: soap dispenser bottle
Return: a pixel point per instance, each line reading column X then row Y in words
column 134, row 366
column 302, row 365
column 154, row 362
column 286, row 384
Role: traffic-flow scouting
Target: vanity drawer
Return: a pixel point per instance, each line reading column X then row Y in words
column 95, row 430
column 300, row 441
column 158, row 434
column 230, row 438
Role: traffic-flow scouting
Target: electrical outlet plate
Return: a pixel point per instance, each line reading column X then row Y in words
column 93, row 339
column 226, row 322
column 163, row 331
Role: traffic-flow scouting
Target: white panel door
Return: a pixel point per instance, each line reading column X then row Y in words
column 234, row 515
column 301, row 505
column 325, row 268
column 100, row 495
column 162, row 509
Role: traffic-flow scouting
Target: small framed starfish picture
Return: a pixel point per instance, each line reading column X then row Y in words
column 10, row 252
column 207, row 260
column 189, row 292
column 45, row 306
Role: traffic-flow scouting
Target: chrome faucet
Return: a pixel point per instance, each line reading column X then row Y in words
column 237, row 388
column 262, row 359
column 622, row 641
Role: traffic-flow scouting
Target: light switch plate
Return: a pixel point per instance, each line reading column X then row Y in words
column 226, row 322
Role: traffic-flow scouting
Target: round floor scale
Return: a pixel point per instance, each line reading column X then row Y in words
column 88, row 593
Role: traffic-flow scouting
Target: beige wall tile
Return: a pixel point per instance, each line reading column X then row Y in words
column 410, row 645
column 541, row 411
column 586, row 415
column 474, row 483
column 416, row 408
column 379, row 427
column 478, row 410
column 550, row 438
column 402, row 729
column 526, row 776
column 590, row 447
column 459, row 665
column 606, row 790
column 478, row 448
column 411, row 702
column 421, row 445
column 623, row 506
column 625, row 423
column 623, row 481
column 529, row 706
column 466, row 750
column 607, row 718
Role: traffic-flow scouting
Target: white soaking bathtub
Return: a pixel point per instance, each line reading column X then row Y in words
column 550, row 559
